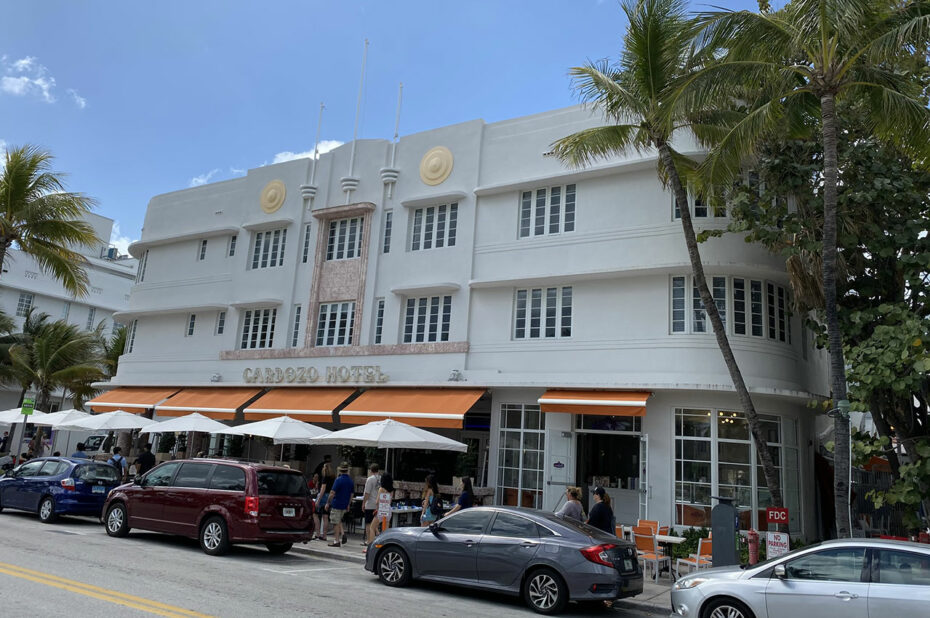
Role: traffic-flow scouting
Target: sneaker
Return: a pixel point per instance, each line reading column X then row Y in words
column 335, row 544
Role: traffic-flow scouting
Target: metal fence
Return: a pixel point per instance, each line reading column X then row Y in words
column 868, row 520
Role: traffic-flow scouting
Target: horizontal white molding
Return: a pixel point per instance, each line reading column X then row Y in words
column 426, row 288
column 434, row 200
column 136, row 248
column 268, row 224
column 592, row 402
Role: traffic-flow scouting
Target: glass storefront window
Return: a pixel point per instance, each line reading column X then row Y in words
column 520, row 460
column 592, row 422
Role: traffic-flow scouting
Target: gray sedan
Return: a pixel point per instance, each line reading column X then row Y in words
column 848, row 578
column 547, row 559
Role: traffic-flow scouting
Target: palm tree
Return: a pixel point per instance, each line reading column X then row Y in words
column 800, row 61
column 640, row 98
column 43, row 220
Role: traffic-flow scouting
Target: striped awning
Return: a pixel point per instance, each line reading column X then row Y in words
column 135, row 399
column 306, row 404
column 216, row 403
column 602, row 403
column 421, row 407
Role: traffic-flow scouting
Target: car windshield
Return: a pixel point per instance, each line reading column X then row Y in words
column 278, row 483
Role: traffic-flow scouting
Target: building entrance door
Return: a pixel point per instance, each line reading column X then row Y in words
column 612, row 461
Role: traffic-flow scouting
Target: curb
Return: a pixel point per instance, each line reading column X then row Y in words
column 323, row 553
column 642, row 607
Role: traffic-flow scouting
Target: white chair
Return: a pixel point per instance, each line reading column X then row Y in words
column 649, row 553
column 702, row 559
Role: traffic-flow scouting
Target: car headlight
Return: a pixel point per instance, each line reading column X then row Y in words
column 689, row 582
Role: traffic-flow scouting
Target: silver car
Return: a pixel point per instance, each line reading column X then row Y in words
column 847, row 578
column 547, row 559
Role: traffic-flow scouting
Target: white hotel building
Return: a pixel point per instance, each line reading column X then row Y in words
column 464, row 279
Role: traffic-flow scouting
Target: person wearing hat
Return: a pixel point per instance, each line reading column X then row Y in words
column 601, row 515
column 338, row 503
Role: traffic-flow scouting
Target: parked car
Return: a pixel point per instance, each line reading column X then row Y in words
column 547, row 559
column 53, row 486
column 218, row 502
column 847, row 578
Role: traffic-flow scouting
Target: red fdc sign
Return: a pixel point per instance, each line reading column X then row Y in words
column 777, row 515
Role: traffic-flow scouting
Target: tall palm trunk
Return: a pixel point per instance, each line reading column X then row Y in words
column 681, row 199
column 841, row 463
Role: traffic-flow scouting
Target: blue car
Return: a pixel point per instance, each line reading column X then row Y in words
column 53, row 486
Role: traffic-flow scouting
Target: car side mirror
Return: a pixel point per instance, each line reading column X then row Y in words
column 435, row 527
column 780, row 572
column 137, row 479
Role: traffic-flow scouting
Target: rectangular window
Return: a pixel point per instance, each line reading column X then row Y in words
column 91, row 315
column 191, row 319
column 520, row 457
column 698, row 316
column 770, row 306
column 231, row 246
column 781, row 313
column 131, row 336
column 388, row 224
column 24, row 304
column 719, row 292
column 379, row 320
column 700, row 209
column 336, row 324
column 550, row 313
column 140, row 272
column 220, row 323
column 268, row 248
column 306, row 252
column 431, row 317
column 345, row 239
column 551, row 212
column 755, row 304
column 434, row 227
column 295, row 332
column 202, row 252
column 65, row 311
column 678, row 304
column 739, row 306
column 258, row 328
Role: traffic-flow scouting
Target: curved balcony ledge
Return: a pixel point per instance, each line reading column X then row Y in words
column 137, row 313
column 136, row 248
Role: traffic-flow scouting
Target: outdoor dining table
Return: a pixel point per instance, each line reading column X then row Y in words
column 666, row 542
column 398, row 512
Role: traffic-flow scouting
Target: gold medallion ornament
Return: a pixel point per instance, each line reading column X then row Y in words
column 273, row 196
column 436, row 165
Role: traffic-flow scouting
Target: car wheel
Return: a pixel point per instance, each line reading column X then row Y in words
column 726, row 608
column 47, row 514
column 279, row 548
column 116, row 521
column 213, row 538
column 393, row 566
column 545, row 592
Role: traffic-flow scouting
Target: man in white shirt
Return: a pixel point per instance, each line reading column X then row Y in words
column 370, row 500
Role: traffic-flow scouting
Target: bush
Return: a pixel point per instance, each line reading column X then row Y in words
column 690, row 545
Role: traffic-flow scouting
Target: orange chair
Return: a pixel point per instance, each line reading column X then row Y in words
column 648, row 551
column 643, row 531
column 702, row 559
column 649, row 522
column 663, row 530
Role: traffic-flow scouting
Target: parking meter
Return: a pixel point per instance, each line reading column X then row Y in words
column 723, row 524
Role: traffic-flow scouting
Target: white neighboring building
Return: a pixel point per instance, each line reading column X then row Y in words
column 469, row 281
column 24, row 285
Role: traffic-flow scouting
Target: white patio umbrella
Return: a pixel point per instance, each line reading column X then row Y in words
column 116, row 420
column 283, row 430
column 63, row 417
column 190, row 422
column 15, row 415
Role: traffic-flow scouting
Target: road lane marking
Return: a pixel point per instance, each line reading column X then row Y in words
column 96, row 592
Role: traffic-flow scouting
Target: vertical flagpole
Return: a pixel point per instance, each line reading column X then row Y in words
column 352, row 181
column 400, row 96
column 316, row 145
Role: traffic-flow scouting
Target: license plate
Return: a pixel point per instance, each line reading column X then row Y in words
column 98, row 489
column 288, row 511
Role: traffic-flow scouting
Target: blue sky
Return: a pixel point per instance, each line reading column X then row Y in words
column 140, row 98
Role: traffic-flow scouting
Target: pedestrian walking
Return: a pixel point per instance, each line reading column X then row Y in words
column 5, row 442
column 466, row 498
column 145, row 461
column 385, row 496
column 321, row 516
column 120, row 463
column 79, row 453
column 327, row 459
column 601, row 515
column 339, row 497
column 432, row 501
column 572, row 508
column 370, row 501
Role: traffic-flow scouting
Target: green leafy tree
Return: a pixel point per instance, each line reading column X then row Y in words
column 43, row 220
column 641, row 99
column 799, row 62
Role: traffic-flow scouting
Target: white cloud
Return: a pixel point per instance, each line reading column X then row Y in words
column 2, row 147
column 80, row 101
column 324, row 147
column 203, row 179
column 26, row 77
column 118, row 240
column 236, row 171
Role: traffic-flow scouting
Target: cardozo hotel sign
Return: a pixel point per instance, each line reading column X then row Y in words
column 333, row 374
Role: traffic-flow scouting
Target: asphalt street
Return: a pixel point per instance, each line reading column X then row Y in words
column 73, row 568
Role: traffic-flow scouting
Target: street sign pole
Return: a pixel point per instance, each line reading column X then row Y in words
column 26, row 410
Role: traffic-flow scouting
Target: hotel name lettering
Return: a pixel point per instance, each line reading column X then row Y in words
column 335, row 374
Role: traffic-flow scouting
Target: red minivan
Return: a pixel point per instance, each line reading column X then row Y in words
column 216, row 501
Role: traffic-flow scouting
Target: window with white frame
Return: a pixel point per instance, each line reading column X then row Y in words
column 202, row 252
column 131, row 336
column 379, row 320
column 434, row 227
column 685, row 306
column 268, row 248
column 295, row 331
column 115, row 326
column 335, row 324
column 65, row 311
column 520, row 461
column 699, row 208
column 24, row 304
column 345, row 238
column 231, row 245
column 547, row 210
column 543, row 313
column 220, row 327
column 91, row 315
column 191, row 319
column 305, row 255
column 427, row 319
column 140, row 271
column 388, row 225
column 258, row 328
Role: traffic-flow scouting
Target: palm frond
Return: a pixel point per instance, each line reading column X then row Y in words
column 587, row 146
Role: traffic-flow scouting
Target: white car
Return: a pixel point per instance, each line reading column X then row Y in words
column 847, row 578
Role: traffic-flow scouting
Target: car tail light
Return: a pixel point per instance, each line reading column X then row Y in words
column 598, row 554
column 251, row 506
column 68, row 484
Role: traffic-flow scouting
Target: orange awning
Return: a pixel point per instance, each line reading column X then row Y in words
column 421, row 407
column 135, row 399
column 603, row 403
column 306, row 404
column 217, row 403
